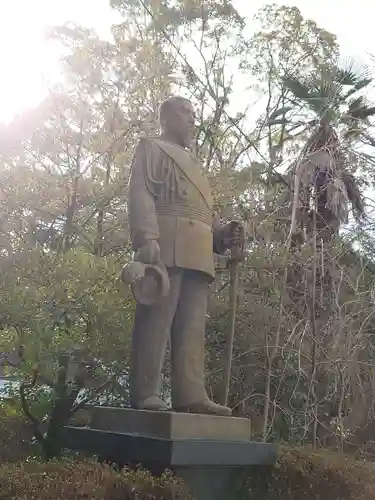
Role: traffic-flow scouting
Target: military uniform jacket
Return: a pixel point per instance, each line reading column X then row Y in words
column 170, row 201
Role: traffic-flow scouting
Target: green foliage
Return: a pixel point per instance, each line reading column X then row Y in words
column 67, row 301
column 287, row 40
column 15, row 435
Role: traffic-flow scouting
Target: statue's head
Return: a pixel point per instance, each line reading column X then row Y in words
column 177, row 120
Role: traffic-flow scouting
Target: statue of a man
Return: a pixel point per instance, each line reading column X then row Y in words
column 171, row 221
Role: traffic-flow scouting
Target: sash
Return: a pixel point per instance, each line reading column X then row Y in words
column 189, row 165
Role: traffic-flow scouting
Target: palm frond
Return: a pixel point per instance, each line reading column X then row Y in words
column 364, row 112
column 359, row 109
column 344, row 77
column 320, row 105
column 349, row 93
column 354, row 128
column 318, row 93
column 327, row 87
column 350, row 71
column 280, row 111
column 326, row 92
column 298, row 89
column 361, row 84
column 278, row 121
column 357, row 103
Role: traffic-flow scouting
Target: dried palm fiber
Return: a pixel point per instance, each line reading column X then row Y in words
column 311, row 164
column 326, row 166
column 354, row 195
column 319, row 163
column 337, row 199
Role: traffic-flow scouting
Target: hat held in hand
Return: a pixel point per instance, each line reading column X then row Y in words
column 148, row 282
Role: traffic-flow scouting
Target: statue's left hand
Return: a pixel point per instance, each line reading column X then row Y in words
column 149, row 253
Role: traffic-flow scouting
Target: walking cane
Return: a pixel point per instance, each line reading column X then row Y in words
column 236, row 255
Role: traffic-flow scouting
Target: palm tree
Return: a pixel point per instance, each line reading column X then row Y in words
column 324, row 184
column 325, row 190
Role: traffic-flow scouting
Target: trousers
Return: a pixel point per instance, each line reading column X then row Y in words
column 181, row 318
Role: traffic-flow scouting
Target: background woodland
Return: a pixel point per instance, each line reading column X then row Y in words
column 286, row 136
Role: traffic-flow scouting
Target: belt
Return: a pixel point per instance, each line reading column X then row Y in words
column 202, row 214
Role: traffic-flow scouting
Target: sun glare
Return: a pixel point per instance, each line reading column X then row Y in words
column 30, row 65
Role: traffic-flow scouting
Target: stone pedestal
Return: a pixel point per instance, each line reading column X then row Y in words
column 169, row 425
column 208, row 452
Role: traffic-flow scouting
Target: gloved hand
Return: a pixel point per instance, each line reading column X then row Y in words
column 234, row 234
column 148, row 253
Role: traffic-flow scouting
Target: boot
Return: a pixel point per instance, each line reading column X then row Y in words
column 153, row 403
column 206, row 407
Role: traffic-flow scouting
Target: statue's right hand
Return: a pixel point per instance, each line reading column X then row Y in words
column 148, row 253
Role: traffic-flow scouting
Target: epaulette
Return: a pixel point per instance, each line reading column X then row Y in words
column 148, row 137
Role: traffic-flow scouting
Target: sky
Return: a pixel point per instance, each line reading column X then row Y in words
column 30, row 65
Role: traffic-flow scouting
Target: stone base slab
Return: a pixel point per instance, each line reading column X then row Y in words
column 131, row 449
column 168, row 425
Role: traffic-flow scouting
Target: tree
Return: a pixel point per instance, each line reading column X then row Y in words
column 323, row 176
column 324, row 185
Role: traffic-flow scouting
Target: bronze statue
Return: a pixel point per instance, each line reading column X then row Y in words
column 171, row 226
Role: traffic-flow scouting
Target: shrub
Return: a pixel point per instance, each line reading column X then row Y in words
column 15, row 435
column 303, row 474
column 72, row 480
